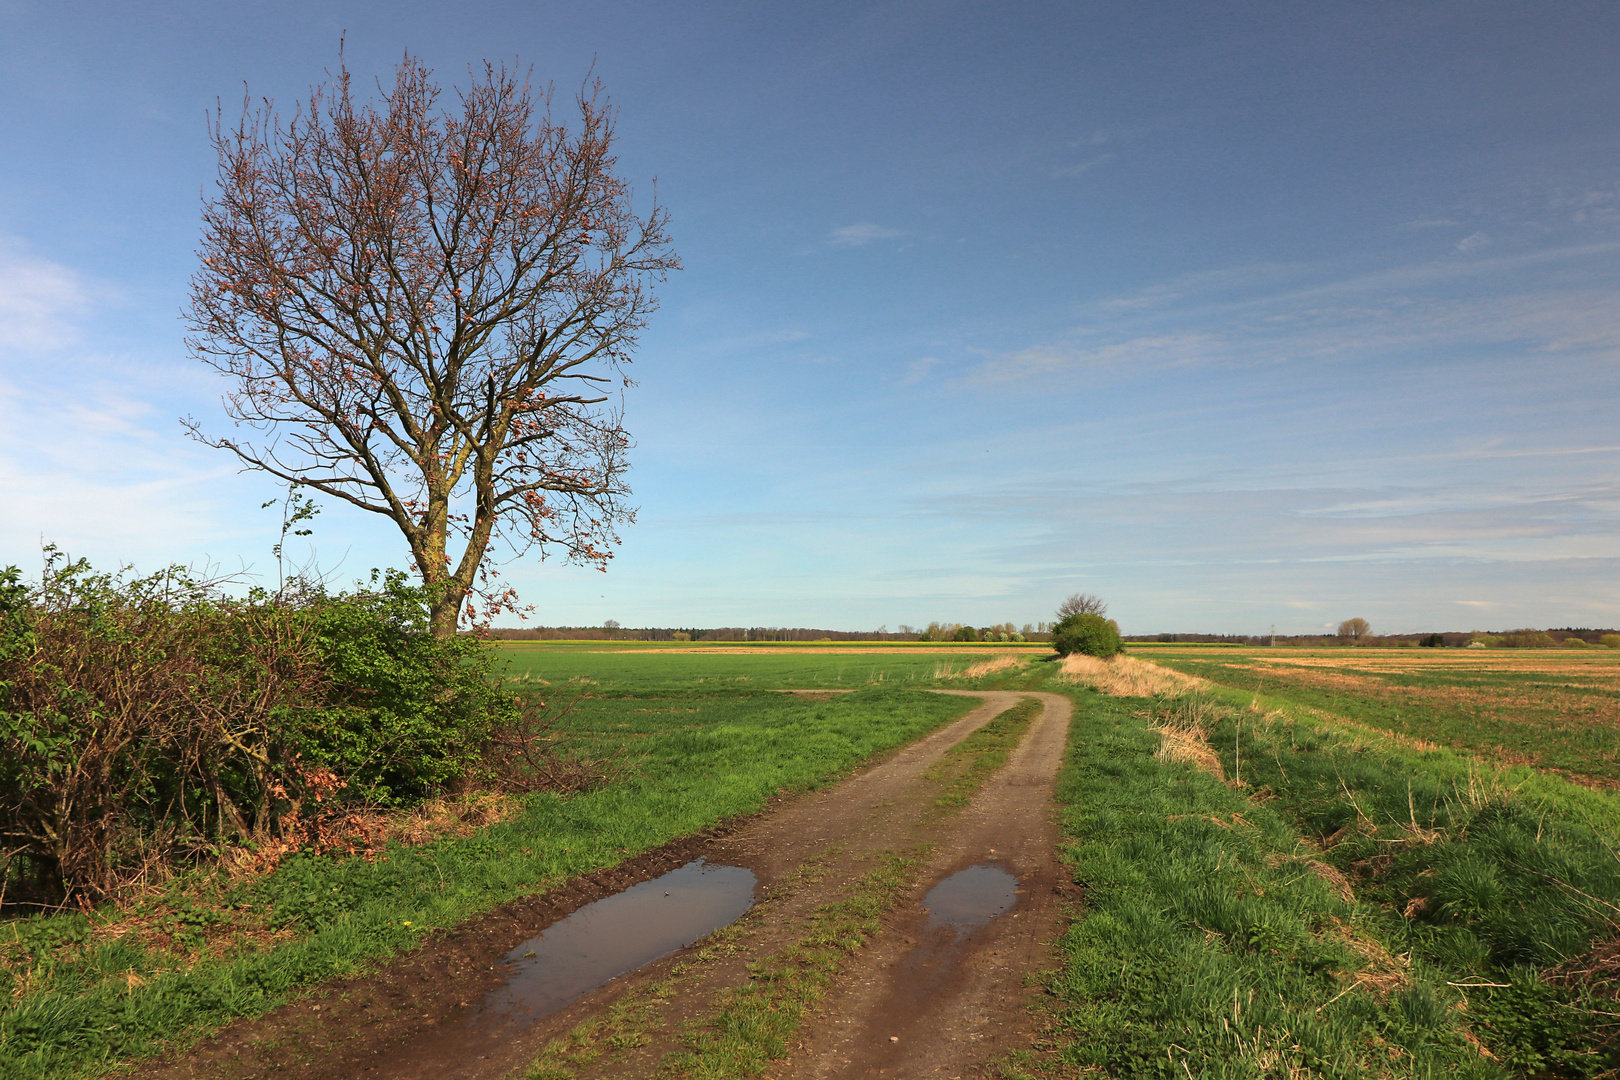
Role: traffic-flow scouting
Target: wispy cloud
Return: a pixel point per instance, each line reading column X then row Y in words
column 1154, row 351
column 1535, row 303
column 1474, row 242
column 859, row 234
column 1081, row 168
column 40, row 301
column 920, row 369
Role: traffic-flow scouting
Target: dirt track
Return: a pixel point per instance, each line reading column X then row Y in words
column 926, row 1002
column 911, row 1004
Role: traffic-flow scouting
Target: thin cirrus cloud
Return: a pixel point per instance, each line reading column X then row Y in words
column 91, row 456
column 40, row 300
column 860, row 234
column 1083, row 167
column 1251, row 316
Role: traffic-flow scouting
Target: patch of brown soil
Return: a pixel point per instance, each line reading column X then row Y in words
column 1596, row 970
column 1380, row 972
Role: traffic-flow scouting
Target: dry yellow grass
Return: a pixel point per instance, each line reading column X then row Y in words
column 1184, row 735
column 945, row 669
column 1381, row 972
column 1127, row 676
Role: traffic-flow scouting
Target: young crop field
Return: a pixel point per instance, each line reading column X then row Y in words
column 637, row 667
column 1556, row 709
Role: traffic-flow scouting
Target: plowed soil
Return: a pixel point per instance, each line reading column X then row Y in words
column 911, row 1004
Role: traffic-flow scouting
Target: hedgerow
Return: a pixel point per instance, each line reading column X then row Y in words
column 150, row 721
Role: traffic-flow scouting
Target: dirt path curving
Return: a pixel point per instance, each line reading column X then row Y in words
column 421, row 1017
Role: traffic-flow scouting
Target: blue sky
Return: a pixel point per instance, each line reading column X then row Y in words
column 1237, row 315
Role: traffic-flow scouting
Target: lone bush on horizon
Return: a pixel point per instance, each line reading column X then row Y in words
column 1083, row 632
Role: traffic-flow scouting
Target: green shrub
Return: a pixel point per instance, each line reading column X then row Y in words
column 1528, row 639
column 966, row 633
column 1611, row 641
column 409, row 713
column 1092, row 635
column 149, row 720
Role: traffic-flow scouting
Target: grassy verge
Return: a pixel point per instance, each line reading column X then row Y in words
column 1268, row 894
column 1210, row 945
column 1555, row 709
column 1504, row 882
column 82, row 992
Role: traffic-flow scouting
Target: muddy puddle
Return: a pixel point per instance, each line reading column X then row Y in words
column 971, row 898
column 615, row 935
column 960, row 905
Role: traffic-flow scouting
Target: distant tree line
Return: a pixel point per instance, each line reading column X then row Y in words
column 1567, row 637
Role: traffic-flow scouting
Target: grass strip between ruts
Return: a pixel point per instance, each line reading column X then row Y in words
column 965, row 767
column 755, row 1020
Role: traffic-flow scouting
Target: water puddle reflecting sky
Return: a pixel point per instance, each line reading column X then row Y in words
column 617, row 934
column 971, row 898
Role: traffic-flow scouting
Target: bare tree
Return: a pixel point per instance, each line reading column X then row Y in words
column 1354, row 628
column 1082, row 604
column 424, row 310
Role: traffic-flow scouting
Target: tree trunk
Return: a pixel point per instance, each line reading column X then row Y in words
column 446, row 609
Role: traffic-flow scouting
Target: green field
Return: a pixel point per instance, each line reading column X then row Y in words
column 637, row 668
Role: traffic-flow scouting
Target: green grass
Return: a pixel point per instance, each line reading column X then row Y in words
column 1215, row 942
column 1566, row 719
column 964, row 768
column 1503, row 870
column 669, row 669
column 83, row 1001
